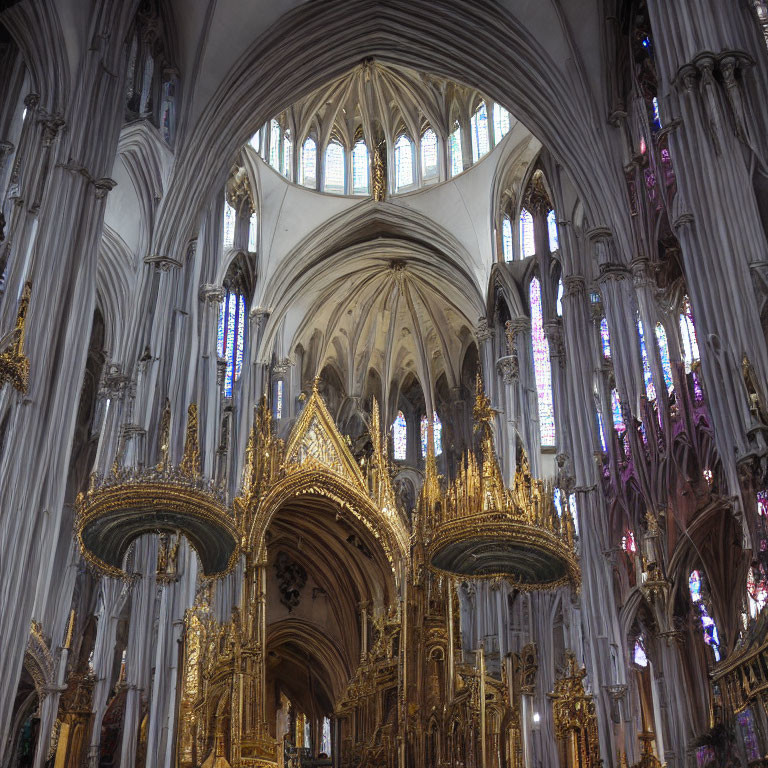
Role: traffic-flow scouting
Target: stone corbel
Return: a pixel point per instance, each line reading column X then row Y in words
column 102, row 185
column 730, row 62
column 282, row 366
column 211, row 293
column 51, row 124
column 162, row 263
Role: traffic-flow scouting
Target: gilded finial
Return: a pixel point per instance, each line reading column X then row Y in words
column 190, row 461
column 379, row 184
column 164, row 438
column 482, row 412
column 14, row 364
column 70, row 630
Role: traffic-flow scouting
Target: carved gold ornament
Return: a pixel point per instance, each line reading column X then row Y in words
column 14, row 364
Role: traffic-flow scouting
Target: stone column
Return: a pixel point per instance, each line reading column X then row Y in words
column 59, row 258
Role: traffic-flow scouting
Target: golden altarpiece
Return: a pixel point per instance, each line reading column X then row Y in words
column 416, row 696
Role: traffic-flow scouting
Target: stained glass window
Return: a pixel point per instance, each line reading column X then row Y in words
column 559, row 301
column 255, row 141
column 399, row 437
column 506, row 239
column 229, row 225
column 230, row 337
column 605, row 338
column 666, row 366
column 325, row 742
column 554, row 239
column 275, row 135
column 454, row 145
column 253, row 233
column 628, row 543
column 688, row 336
column 705, row 757
column 429, row 154
column 601, row 431
column 762, row 503
column 650, row 389
column 527, row 244
column 541, row 367
column 403, row 162
column 708, row 626
column 558, row 501
column 278, row 407
column 656, row 113
column 757, row 589
column 309, row 164
column 618, row 419
column 334, row 168
column 360, row 168
column 746, row 722
column 437, row 433
column 479, row 124
column 287, row 160
column 639, row 656
column 501, row 122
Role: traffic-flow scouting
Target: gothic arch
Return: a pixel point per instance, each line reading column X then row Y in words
column 290, row 61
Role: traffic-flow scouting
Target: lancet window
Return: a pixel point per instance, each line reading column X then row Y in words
column 287, row 159
column 542, row 367
column 454, row 146
column 309, row 163
column 403, row 162
column 501, row 122
column 429, row 168
column 228, row 233
column 231, row 335
column 618, row 419
column 650, row 389
column 666, row 366
column 605, row 339
column 400, row 437
column 480, row 139
column 253, row 233
column 708, row 626
column 277, row 400
column 275, row 137
column 360, row 168
column 559, row 300
column 334, row 168
column 554, row 239
column 437, row 433
column 527, row 243
column 506, row 239
column 688, row 336
column 639, row 656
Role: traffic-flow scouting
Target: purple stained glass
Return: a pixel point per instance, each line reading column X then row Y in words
column 639, row 656
column 746, row 723
column 542, row 367
column 240, row 336
column 230, row 338
column 698, row 392
column 399, row 437
column 705, row 757
column 762, row 503
column 650, row 389
column 666, row 366
column 605, row 337
column 708, row 625
column 618, row 419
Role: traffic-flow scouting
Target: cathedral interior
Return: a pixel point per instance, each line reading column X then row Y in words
column 383, row 383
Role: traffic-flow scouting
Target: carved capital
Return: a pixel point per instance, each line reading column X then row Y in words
column 282, row 366
column 508, row 368
column 31, row 100
column 483, row 331
column 211, row 293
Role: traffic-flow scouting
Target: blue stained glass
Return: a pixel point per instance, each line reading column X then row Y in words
column 554, row 240
column 240, row 337
column 501, row 122
column 527, row 244
column 709, row 628
column 457, row 163
column 506, row 239
column 605, row 337
column 650, row 389
column 399, row 437
column 557, row 498
column 278, row 407
column 694, row 585
column 746, row 723
column 424, row 437
column 360, row 168
column 220, row 335
column 656, row 114
column 542, row 367
column 479, row 124
column 403, row 162
column 601, row 432
column 429, row 154
column 618, row 419
column 666, row 367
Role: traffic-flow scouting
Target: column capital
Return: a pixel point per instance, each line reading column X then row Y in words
column 212, row 293
column 483, row 331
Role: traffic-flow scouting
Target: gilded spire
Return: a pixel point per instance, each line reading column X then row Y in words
column 190, row 461
column 164, row 436
column 14, row 364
